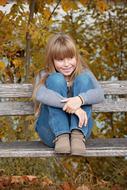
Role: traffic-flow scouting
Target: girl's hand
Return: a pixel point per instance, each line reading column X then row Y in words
column 82, row 117
column 72, row 104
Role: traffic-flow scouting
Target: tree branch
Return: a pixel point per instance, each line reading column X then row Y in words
column 54, row 9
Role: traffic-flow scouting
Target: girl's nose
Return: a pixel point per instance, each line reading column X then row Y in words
column 66, row 62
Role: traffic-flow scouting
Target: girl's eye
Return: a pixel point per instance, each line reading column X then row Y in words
column 59, row 59
column 69, row 58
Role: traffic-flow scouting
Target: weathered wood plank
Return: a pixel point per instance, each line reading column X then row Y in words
column 114, row 87
column 26, row 108
column 16, row 90
column 94, row 147
column 16, row 108
column 25, row 90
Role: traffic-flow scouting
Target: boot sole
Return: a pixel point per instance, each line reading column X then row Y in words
column 78, row 154
column 62, row 152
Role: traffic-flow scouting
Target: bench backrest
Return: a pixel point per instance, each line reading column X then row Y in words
column 10, row 105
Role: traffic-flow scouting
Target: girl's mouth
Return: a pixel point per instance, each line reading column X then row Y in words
column 67, row 69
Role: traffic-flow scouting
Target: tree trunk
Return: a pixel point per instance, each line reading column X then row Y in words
column 28, row 40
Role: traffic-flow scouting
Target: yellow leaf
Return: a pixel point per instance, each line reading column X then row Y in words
column 46, row 13
column 50, row 1
column 84, row 2
column 68, row 5
column 3, row 2
column 2, row 65
column 17, row 62
column 101, row 5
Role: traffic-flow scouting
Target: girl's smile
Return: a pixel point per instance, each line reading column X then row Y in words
column 65, row 66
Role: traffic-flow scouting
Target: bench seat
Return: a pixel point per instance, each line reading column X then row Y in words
column 94, row 148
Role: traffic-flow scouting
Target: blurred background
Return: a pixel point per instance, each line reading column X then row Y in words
column 99, row 28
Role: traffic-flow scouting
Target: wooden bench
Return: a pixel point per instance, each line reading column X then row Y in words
column 95, row 147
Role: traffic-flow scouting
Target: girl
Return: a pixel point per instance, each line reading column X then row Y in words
column 63, row 94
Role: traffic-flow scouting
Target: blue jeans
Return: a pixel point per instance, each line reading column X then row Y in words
column 53, row 121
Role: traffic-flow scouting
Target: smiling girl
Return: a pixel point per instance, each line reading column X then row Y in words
column 63, row 94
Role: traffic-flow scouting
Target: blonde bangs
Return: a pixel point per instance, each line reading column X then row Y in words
column 62, row 50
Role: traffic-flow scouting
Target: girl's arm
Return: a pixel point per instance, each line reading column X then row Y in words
column 94, row 95
column 47, row 96
column 52, row 98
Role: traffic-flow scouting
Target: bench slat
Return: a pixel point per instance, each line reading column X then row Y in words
column 94, row 147
column 26, row 108
column 25, row 90
column 16, row 108
column 16, row 90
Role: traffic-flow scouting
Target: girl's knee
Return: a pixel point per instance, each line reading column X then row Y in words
column 56, row 79
column 83, row 79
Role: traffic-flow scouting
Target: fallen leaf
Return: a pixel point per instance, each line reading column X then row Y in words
column 17, row 180
column 30, row 178
column 116, row 187
column 67, row 186
column 46, row 181
column 4, row 181
column 83, row 187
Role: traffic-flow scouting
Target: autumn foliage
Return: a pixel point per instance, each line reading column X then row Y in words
column 99, row 29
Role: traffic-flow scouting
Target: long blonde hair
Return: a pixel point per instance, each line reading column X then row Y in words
column 59, row 46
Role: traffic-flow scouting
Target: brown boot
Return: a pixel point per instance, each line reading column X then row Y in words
column 62, row 144
column 77, row 142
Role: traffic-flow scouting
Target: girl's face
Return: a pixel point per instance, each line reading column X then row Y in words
column 65, row 66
